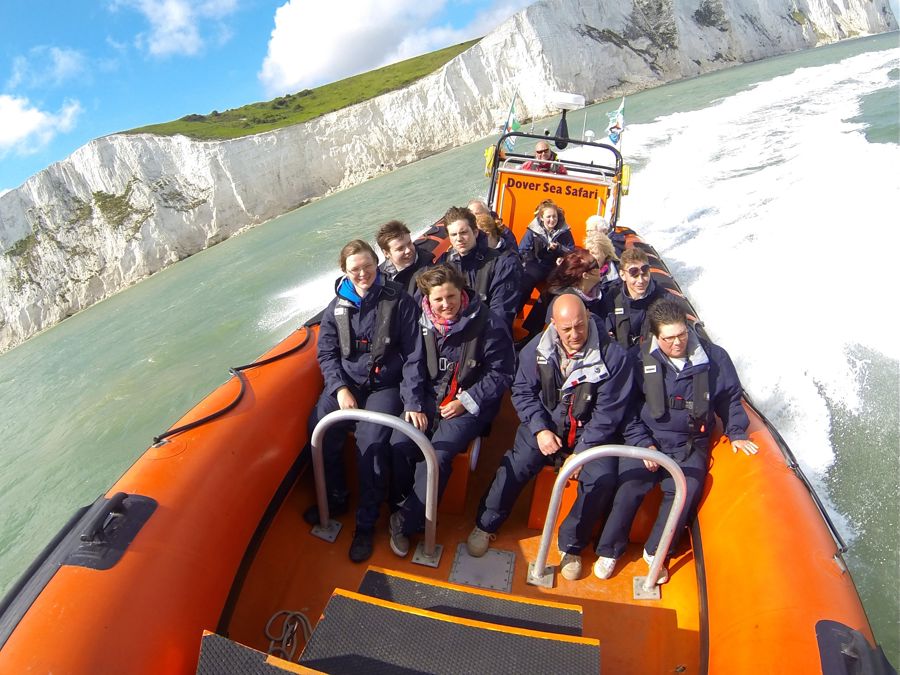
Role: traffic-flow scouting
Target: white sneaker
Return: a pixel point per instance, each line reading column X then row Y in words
column 479, row 542
column 570, row 566
column 663, row 572
column 604, row 567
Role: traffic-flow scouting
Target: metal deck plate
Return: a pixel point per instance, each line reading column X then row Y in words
column 419, row 557
column 544, row 580
column 641, row 594
column 329, row 533
column 492, row 571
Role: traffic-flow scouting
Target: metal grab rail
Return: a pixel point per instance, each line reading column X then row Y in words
column 398, row 424
column 598, row 452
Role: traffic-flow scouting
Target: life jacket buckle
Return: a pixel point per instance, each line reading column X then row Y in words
column 444, row 364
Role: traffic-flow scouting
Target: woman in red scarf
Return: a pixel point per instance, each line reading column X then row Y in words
column 470, row 365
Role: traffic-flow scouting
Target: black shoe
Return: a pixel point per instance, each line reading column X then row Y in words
column 335, row 509
column 361, row 546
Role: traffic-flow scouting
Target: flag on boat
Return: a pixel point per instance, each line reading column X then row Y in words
column 562, row 132
column 616, row 124
column 512, row 124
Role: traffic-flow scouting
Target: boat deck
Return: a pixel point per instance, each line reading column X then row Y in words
column 294, row 570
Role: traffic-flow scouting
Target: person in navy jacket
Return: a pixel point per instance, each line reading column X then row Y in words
column 479, row 208
column 571, row 392
column 470, row 364
column 402, row 258
column 371, row 357
column 675, row 372
column 547, row 239
column 493, row 276
column 628, row 303
column 578, row 272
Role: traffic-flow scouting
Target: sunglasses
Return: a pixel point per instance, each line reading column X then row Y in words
column 542, row 151
column 635, row 272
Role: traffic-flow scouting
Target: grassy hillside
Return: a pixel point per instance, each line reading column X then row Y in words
column 307, row 104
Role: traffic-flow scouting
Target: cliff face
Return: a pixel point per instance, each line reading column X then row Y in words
column 123, row 207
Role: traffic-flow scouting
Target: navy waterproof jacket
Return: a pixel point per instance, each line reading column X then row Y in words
column 611, row 367
column 534, row 245
column 503, row 286
column 404, row 360
column 671, row 433
column 497, row 358
column 636, row 310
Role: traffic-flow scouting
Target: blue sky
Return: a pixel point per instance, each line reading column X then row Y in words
column 73, row 70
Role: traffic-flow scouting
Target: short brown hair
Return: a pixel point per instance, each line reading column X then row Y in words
column 392, row 229
column 438, row 276
column 455, row 213
column 634, row 256
column 666, row 311
column 353, row 248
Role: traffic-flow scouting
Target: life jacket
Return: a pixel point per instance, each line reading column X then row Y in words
column 453, row 376
column 581, row 400
column 485, row 259
column 377, row 347
column 659, row 403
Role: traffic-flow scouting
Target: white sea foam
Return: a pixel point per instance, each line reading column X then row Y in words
column 761, row 205
column 295, row 305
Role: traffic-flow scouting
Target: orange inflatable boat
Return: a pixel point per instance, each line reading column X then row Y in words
column 198, row 560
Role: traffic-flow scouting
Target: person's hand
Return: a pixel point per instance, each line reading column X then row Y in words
column 651, row 465
column 548, row 442
column 418, row 419
column 453, row 409
column 577, row 471
column 345, row 399
column 747, row 447
column 553, row 246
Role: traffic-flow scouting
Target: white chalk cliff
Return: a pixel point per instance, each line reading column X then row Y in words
column 125, row 206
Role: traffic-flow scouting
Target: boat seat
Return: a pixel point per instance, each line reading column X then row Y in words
column 221, row 656
column 454, row 499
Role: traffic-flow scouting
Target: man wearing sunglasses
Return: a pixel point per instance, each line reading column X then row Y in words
column 625, row 321
column 544, row 160
column 686, row 381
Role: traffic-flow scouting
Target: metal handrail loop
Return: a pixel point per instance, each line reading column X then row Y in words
column 398, row 424
column 599, row 452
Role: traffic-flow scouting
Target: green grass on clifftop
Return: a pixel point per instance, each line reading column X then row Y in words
column 307, row 104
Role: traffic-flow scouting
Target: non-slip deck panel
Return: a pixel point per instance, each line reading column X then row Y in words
column 456, row 601
column 221, row 656
column 365, row 635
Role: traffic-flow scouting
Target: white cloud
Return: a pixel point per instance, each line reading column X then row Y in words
column 314, row 42
column 46, row 66
column 25, row 129
column 177, row 26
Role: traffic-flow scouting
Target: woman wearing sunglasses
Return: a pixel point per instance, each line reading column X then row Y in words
column 628, row 305
column 578, row 272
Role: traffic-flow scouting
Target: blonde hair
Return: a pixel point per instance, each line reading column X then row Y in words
column 600, row 246
column 488, row 224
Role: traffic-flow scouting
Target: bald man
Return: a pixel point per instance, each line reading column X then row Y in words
column 544, row 160
column 570, row 392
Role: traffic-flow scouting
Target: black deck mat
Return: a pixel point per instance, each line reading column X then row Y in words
column 469, row 605
column 221, row 656
column 355, row 637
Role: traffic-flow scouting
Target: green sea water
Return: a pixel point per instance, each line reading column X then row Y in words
column 83, row 400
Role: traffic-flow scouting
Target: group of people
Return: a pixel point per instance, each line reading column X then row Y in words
column 618, row 360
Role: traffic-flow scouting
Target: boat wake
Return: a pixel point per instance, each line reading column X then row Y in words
column 773, row 211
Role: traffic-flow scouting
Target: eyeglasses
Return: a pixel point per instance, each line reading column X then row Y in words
column 681, row 337
column 542, row 151
column 641, row 271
